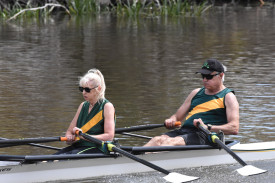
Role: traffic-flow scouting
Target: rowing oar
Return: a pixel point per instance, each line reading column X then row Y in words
column 136, row 135
column 25, row 141
column 170, row 176
column 33, row 158
column 31, row 144
column 143, row 127
column 246, row 170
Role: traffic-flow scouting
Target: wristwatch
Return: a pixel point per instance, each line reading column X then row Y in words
column 209, row 126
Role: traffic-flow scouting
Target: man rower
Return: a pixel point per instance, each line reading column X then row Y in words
column 214, row 106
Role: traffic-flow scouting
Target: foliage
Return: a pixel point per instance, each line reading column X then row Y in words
column 81, row 7
column 135, row 8
column 127, row 8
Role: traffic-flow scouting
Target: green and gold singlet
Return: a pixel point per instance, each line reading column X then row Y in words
column 210, row 108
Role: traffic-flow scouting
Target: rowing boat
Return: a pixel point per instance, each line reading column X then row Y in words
column 42, row 168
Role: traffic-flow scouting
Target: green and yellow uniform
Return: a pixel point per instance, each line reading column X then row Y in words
column 210, row 108
column 91, row 123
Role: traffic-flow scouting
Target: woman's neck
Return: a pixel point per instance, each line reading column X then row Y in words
column 92, row 103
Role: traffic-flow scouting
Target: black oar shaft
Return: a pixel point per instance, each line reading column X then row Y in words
column 143, row 127
column 65, row 157
column 44, row 146
column 12, row 158
column 218, row 141
column 138, row 149
column 147, row 163
column 31, row 140
column 137, row 128
column 234, row 155
column 125, row 153
column 52, row 157
column 31, row 144
column 136, row 135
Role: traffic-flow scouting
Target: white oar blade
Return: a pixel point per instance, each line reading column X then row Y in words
column 178, row 178
column 250, row 170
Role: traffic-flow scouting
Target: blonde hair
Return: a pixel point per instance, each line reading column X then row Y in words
column 94, row 78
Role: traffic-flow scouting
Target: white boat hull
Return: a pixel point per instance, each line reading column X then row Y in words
column 88, row 168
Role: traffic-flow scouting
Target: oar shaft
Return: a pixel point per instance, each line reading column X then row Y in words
column 51, row 157
column 143, row 127
column 138, row 128
column 12, row 158
column 31, row 144
column 147, row 163
column 31, row 140
column 136, row 135
column 227, row 149
column 44, row 146
column 246, row 169
column 138, row 149
column 218, row 141
column 125, row 153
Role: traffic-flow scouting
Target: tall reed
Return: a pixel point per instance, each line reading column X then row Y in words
column 127, row 8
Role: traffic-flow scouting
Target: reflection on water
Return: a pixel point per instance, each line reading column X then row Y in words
column 148, row 64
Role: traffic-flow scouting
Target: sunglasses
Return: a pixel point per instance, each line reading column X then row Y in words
column 86, row 89
column 208, row 76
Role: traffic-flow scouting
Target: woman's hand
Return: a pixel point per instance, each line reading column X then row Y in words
column 170, row 123
column 70, row 138
column 76, row 129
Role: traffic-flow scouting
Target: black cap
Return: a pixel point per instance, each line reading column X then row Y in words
column 210, row 66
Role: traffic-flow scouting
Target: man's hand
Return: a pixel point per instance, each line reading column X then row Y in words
column 195, row 123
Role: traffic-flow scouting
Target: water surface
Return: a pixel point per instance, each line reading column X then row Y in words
column 149, row 66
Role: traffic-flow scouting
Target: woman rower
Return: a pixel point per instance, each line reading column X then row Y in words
column 95, row 116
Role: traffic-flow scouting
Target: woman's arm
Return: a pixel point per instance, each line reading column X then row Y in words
column 70, row 133
column 182, row 111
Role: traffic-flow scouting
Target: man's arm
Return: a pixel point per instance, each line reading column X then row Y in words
column 182, row 111
column 232, row 113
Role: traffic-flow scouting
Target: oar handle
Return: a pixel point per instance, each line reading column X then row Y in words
column 177, row 123
column 88, row 137
column 63, row 138
column 206, row 131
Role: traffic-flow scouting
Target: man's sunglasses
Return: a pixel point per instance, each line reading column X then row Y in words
column 208, row 76
column 86, row 89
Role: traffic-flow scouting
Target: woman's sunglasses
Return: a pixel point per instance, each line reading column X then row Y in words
column 208, row 76
column 86, row 89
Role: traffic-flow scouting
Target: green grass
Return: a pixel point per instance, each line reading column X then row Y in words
column 125, row 8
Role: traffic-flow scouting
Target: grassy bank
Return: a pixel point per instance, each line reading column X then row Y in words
column 129, row 8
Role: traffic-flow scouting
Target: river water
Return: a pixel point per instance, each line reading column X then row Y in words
column 149, row 66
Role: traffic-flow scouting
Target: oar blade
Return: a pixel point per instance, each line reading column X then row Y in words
column 178, row 178
column 250, row 170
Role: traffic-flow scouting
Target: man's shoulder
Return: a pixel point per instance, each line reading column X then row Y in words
column 230, row 95
column 230, row 99
column 196, row 90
